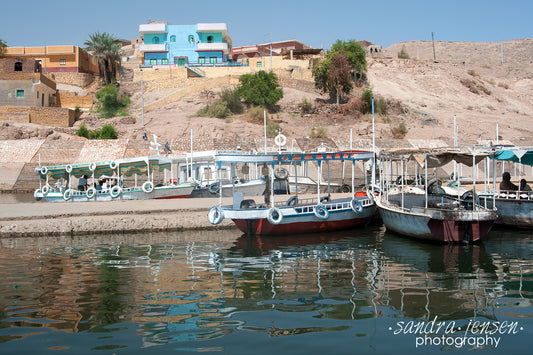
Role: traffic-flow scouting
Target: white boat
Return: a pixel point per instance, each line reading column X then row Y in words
column 416, row 212
column 201, row 167
column 144, row 171
column 514, row 208
column 295, row 215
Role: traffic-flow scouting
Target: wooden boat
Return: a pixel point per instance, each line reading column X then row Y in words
column 416, row 212
column 116, row 174
column 296, row 214
column 514, row 208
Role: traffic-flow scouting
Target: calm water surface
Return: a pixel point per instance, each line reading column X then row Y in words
column 356, row 292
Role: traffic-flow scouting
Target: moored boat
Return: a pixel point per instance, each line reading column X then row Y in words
column 296, row 215
column 108, row 180
column 417, row 212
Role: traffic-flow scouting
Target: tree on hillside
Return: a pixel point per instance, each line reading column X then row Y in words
column 260, row 89
column 3, row 47
column 334, row 74
column 107, row 50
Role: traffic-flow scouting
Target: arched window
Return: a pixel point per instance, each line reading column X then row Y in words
column 209, row 39
column 18, row 66
column 191, row 39
column 172, row 38
column 155, row 40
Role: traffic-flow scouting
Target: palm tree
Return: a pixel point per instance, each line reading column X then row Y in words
column 3, row 47
column 107, row 50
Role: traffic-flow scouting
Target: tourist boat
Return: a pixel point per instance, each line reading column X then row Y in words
column 514, row 208
column 415, row 211
column 200, row 167
column 296, row 214
column 109, row 180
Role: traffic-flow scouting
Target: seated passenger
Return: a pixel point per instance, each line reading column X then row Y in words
column 506, row 183
column 82, row 183
column 524, row 186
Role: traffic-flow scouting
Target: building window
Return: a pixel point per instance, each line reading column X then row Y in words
column 20, row 93
column 172, row 38
column 153, row 61
column 259, row 64
column 37, row 94
column 191, row 39
column 18, row 66
column 62, row 62
column 209, row 39
column 164, row 61
column 201, row 60
column 155, row 40
column 213, row 60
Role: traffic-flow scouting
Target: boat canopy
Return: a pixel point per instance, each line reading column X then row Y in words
column 518, row 155
column 126, row 166
column 436, row 158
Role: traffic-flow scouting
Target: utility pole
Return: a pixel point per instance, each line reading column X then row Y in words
column 433, row 41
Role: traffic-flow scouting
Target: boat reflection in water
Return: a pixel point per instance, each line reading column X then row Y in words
column 215, row 291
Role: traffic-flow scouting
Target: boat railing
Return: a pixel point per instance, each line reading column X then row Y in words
column 308, row 204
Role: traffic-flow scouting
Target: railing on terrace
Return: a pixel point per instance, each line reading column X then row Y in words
column 193, row 65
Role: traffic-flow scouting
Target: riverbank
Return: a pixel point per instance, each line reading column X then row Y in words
column 82, row 218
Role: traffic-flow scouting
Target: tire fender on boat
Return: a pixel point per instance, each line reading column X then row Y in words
column 356, row 206
column 292, row 201
column 148, row 187
column 92, row 166
column 67, row 195
column 68, row 169
column 91, row 191
column 215, row 215
column 44, row 170
column 115, row 191
column 113, row 165
column 45, row 190
column 281, row 173
column 274, row 216
column 37, row 195
column 321, row 212
column 214, row 188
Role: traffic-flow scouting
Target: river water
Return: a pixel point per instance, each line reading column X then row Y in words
column 354, row 292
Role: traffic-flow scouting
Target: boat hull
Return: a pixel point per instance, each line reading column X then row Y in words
column 438, row 225
column 511, row 212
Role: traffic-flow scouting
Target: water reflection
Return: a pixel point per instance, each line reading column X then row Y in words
column 220, row 291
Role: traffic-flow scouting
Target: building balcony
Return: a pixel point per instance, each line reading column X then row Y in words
column 153, row 28
column 213, row 27
column 152, row 47
column 213, row 47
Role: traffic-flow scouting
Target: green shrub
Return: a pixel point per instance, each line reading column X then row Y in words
column 218, row 109
column 260, row 89
column 108, row 132
column 95, row 134
column 83, row 131
column 367, row 99
column 380, row 106
column 399, row 131
column 272, row 128
column 109, row 105
column 256, row 114
column 232, row 100
column 319, row 132
column 306, row 107
column 403, row 53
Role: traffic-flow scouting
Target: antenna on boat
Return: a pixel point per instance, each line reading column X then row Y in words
column 155, row 146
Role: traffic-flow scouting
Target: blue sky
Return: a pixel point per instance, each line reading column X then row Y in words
column 316, row 23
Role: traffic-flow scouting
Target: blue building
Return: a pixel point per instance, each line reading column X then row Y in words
column 200, row 44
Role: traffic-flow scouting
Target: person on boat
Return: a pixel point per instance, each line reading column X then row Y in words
column 99, row 186
column 524, row 186
column 82, row 183
column 506, row 183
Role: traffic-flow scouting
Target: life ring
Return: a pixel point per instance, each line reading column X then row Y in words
column 281, row 173
column 113, row 165
column 92, row 166
column 37, row 195
column 292, row 201
column 274, row 215
column 280, row 140
column 67, row 195
column 321, row 212
column 91, row 191
column 346, row 188
column 356, row 206
column 215, row 215
column 115, row 191
column 148, row 187
column 68, row 169
column 45, row 190
column 214, row 188
column 44, row 170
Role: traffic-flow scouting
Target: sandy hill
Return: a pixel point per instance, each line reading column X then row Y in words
column 467, row 80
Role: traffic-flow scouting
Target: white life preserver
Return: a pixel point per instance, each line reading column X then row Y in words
column 280, row 140
column 115, row 191
column 68, row 169
column 148, row 187
column 321, row 212
column 37, row 195
column 214, row 188
column 281, row 173
column 113, row 165
column 215, row 215
column 91, row 191
column 356, row 206
column 44, row 170
column 45, row 190
column 67, row 195
column 274, row 215
column 92, row 166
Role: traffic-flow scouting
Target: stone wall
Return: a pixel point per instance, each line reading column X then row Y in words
column 72, row 100
column 78, row 79
column 46, row 116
